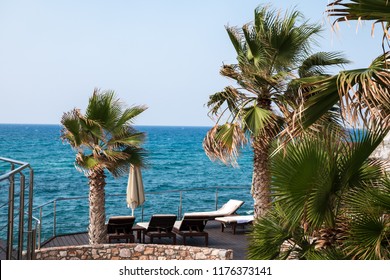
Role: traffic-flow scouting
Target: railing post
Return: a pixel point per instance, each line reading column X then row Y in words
column 10, row 230
column 181, row 205
column 30, row 208
column 21, row 217
column 30, row 255
column 142, row 213
column 40, row 228
column 216, row 198
column 54, row 217
column 34, row 242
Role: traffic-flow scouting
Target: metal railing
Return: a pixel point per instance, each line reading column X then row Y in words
column 17, row 198
column 54, row 204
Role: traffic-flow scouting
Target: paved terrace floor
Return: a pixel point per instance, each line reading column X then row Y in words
column 224, row 240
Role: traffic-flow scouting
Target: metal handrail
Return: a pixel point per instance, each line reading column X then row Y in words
column 23, row 165
column 37, row 244
column 180, row 192
column 10, row 176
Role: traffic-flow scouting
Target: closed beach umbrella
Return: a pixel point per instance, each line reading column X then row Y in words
column 135, row 189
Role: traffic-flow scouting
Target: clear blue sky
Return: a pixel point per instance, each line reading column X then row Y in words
column 163, row 54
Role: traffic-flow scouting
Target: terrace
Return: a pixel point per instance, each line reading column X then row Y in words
column 220, row 240
column 43, row 227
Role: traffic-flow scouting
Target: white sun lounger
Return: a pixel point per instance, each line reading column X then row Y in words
column 233, row 221
column 229, row 208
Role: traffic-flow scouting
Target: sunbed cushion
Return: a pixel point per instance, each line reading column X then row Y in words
column 227, row 209
column 144, row 224
column 236, row 219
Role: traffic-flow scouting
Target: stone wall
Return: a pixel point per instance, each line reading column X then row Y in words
column 133, row 251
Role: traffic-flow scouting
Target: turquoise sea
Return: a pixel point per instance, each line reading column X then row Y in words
column 176, row 161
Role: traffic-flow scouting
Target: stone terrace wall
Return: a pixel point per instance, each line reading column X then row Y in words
column 132, row 251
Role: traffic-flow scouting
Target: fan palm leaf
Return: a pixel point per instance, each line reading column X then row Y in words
column 354, row 162
column 370, row 232
column 223, row 142
column 377, row 11
column 317, row 63
column 316, row 172
column 230, row 96
column 356, row 90
column 303, row 181
column 333, row 197
column 268, row 235
column 362, row 93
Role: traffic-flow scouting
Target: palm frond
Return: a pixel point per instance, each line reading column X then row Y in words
column 370, row 228
column 353, row 163
column 267, row 238
column 235, row 38
column 252, row 44
column 316, row 64
column 103, row 108
column 302, row 180
column 256, row 119
column 128, row 115
column 276, row 236
column 230, row 97
column 330, row 253
column 366, row 89
column 118, row 162
column 357, row 91
column 288, row 42
column 128, row 139
column 376, row 11
column 369, row 238
column 85, row 163
column 93, row 131
column 71, row 128
column 224, row 143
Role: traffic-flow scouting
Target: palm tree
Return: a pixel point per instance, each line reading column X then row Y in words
column 363, row 93
column 331, row 201
column 103, row 139
column 271, row 51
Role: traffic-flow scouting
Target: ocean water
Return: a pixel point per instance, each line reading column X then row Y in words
column 176, row 162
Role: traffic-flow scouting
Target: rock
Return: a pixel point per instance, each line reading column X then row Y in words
column 139, row 248
column 149, row 251
column 169, row 252
column 63, row 253
column 200, row 256
column 124, row 253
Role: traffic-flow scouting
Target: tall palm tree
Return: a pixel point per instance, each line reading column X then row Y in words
column 271, row 51
column 363, row 93
column 331, row 201
column 103, row 139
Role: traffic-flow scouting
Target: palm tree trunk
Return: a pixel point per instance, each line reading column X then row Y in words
column 261, row 177
column 97, row 212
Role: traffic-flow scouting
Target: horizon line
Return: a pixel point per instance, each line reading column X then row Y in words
column 150, row 125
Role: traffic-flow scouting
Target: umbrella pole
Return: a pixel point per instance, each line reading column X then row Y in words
column 132, row 212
